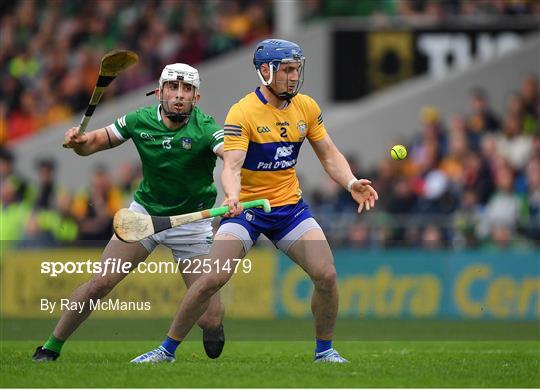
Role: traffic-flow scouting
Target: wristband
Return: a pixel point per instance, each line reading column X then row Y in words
column 350, row 183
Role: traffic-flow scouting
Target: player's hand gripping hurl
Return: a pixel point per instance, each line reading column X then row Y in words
column 72, row 139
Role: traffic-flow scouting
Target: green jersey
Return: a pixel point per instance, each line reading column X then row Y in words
column 177, row 165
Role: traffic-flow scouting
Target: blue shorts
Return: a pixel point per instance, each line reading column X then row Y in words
column 283, row 225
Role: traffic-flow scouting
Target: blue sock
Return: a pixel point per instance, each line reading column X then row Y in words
column 323, row 345
column 170, row 345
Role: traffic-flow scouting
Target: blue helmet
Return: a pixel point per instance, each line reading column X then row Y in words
column 275, row 52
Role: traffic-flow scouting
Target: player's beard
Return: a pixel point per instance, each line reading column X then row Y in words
column 177, row 114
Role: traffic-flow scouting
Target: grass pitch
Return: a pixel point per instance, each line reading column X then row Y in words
column 280, row 364
column 279, row 354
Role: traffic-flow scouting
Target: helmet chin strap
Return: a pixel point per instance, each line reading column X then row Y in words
column 176, row 117
column 284, row 95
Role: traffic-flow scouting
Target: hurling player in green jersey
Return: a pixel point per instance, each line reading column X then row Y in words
column 178, row 145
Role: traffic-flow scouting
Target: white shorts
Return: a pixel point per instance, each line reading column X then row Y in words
column 185, row 241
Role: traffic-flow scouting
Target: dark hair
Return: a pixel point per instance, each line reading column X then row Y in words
column 479, row 92
column 6, row 155
column 46, row 162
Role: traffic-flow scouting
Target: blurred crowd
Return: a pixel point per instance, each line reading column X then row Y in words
column 418, row 10
column 43, row 213
column 472, row 181
column 50, row 50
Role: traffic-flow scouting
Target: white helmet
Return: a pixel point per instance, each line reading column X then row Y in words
column 180, row 72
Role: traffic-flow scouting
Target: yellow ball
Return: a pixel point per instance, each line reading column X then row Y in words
column 398, row 152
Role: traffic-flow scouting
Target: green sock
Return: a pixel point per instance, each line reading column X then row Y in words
column 53, row 344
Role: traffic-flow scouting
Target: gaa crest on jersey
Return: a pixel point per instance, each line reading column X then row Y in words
column 302, row 127
column 186, row 143
column 263, row 129
column 148, row 137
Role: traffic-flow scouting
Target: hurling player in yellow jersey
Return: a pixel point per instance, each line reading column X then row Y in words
column 263, row 135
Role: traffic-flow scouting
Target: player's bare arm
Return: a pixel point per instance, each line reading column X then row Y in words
column 91, row 142
column 219, row 152
column 338, row 169
column 231, row 179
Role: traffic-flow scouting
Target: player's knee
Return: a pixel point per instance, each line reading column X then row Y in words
column 209, row 284
column 326, row 280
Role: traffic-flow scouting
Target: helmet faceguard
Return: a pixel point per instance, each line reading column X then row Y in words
column 276, row 53
column 180, row 74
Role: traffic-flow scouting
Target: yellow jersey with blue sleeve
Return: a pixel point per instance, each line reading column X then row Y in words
column 272, row 139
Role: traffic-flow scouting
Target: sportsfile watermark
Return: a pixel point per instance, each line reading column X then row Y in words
column 113, row 265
